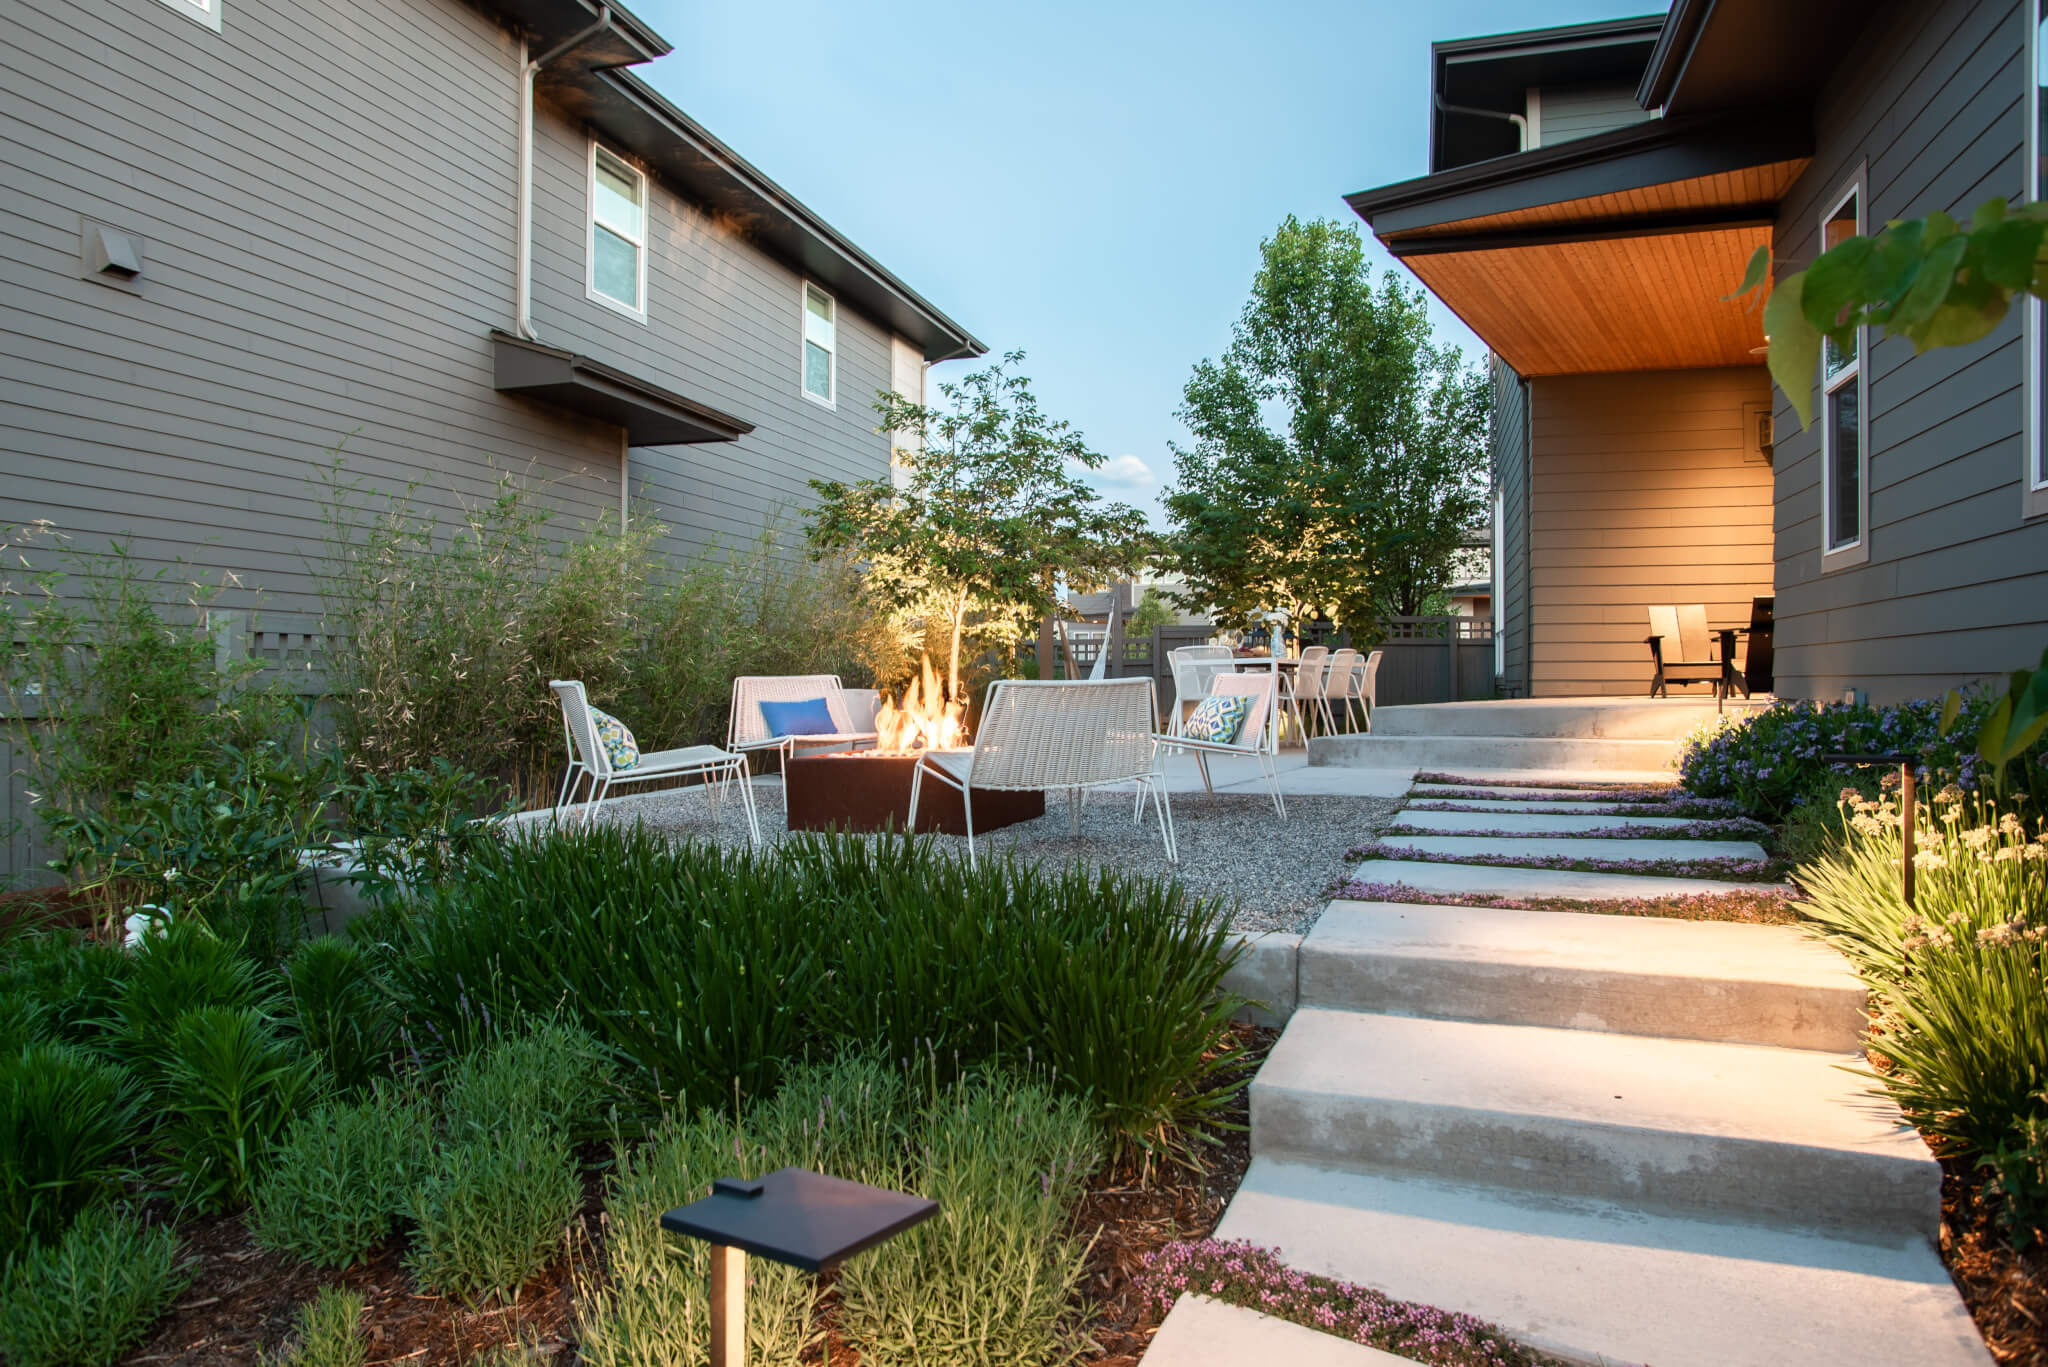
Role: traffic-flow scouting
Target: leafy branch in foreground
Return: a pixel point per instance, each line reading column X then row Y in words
column 1933, row 280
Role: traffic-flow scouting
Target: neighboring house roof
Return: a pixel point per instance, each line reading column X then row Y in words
column 589, row 80
column 1581, row 257
column 1475, row 81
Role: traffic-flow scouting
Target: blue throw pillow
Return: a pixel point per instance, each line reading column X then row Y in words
column 1218, row 718
column 811, row 717
column 619, row 746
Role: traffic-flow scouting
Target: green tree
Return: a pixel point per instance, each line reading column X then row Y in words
column 1354, row 502
column 1933, row 280
column 1152, row 611
column 993, row 516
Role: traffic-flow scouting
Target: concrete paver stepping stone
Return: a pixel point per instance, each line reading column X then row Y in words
column 1643, row 975
column 1574, row 847
column 1480, row 880
column 1527, row 792
column 1602, row 1282
column 1743, row 1131
column 1533, row 823
column 1200, row 1332
column 1508, row 804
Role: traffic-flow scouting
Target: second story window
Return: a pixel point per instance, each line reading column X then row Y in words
column 206, row 12
column 821, row 343
column 618, row 233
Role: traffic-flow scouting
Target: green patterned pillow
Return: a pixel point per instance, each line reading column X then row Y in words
column 617, row 741
column 1218, row 718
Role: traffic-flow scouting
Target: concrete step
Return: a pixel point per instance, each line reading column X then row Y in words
column 1597, row 1282
column 1686, row 1127
column 1637, row 975
column 1554, row 778
column 1200, row 1332
column 1533, row 822
column 1480, row 880
column 1571, row 718
column 1517, row 792
column 1573, row 847
column 1454, row 753
column 1509, row 804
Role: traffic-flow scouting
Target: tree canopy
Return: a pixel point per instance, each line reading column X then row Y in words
column 1340, row 455
column 992, row 518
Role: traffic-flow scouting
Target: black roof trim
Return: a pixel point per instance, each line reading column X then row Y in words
column 1663, row 225
column 651, row 415
column 1651, row 153
column 1674, row 49
column 591, row 82
column 1564, row 36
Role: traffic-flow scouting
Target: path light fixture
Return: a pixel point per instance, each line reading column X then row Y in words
column 793, row 1216
column 1907, row 803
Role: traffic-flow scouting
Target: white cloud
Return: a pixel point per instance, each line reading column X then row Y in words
column 1126, row 470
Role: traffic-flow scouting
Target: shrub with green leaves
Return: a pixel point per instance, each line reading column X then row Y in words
column 556, row 1075
column 231, row 1085
column 707, row 969
column 341, row 1178
column 342, row 1010
column 68, row 984
column 327, row 1331
column 84, row 1299
column 492, row 1210
column 177, row 968
column 67, row 1120
column 2018, row 1181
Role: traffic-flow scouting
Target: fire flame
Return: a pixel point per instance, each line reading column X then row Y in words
column 921, row 719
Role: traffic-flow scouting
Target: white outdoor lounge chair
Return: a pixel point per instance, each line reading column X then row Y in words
column 589, row 759
column 1258, row 738
column 1195, row 669
column 1043, row 735
column 748, row 730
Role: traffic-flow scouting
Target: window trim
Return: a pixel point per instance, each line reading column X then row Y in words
column 2033, row 456
column 205, row 13
column 803, row 338
column 591, row 223
column 1856, row 372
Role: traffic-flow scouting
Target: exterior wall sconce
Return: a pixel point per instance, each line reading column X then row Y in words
column 793, row 1216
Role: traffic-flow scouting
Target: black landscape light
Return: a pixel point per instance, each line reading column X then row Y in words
column 793, row 1216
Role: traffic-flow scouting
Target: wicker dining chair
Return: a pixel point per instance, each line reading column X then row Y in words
column 1047, row 735
column 1195, row 669
column 589, row 760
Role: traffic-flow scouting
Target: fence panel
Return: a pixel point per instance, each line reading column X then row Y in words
column 1435, row 659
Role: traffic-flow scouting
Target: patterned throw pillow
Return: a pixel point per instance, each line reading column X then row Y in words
column 617, row 741
column 1218, row 718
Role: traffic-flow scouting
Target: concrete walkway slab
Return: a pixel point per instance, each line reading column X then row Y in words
column 1549, row 778
column 1598, row 1282
column 1681, row 1126
column 1200, row 1332
column 1457, row 754
column 1535, row 823
column 1506, row 804
column 1478, row 880
column 1526, row 792
column 1710, row 980
column 1665, row 719
column 1574, row 847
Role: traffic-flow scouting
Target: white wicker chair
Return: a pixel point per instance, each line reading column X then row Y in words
column 1037, row 736
column 748, row 730
column 588, row 759
column 1258, row 738
column 1195, row 669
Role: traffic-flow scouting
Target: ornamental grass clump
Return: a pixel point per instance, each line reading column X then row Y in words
column 340, row 1180
column 327, row 1331
column 84, row 1299
column 68, row 1121
column 1240, row 1273
column 492, row 1210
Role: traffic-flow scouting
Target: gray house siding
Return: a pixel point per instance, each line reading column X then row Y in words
column 1956, row 585
column 325, row 199
column 724, row 327
column 1509, row 434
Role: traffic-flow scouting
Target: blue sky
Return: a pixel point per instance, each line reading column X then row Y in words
column 1086, row 182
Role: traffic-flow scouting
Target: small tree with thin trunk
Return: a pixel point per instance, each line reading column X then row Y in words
column 992, row 519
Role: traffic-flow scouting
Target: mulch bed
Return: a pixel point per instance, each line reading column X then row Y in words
column 2007, row 1292
column 242, row 1302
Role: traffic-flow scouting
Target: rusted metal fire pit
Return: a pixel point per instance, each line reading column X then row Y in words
column 865, row 791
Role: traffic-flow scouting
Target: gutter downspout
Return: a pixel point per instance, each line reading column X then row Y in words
column 1521, row 123
column 522, row 307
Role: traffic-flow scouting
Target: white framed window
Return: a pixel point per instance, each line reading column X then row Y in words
column 2034, row 474
column 205, row 12
column 1845, row 410
column 820, row 346
column 617, row 275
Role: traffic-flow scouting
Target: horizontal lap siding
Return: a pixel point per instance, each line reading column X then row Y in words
column 1510, row 441
column 1641, row 492
column 724, row 328
column 325, row 195
column 1956, row 587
